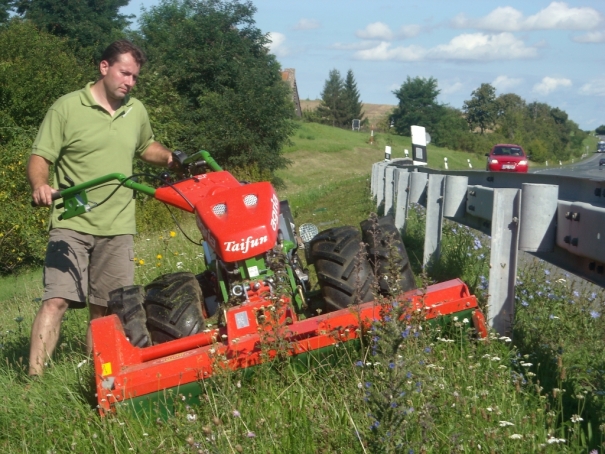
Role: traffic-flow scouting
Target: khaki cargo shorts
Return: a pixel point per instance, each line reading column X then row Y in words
column 80, row 266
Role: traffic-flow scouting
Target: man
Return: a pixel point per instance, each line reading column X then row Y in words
column 86, row 134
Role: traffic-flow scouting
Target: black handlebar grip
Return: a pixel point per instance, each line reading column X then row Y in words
column 54, row 196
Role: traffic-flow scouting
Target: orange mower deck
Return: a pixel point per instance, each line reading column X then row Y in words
column 124, row 372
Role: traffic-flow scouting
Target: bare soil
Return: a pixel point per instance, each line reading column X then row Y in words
column 373, row 112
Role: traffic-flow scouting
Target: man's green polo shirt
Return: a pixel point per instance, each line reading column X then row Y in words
column 85, row 142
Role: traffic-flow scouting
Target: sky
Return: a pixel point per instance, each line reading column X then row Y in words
column 545, row 51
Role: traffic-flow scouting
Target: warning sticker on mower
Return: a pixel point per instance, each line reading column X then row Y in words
column 253, row 271
column 241, row 320
column 105, row 369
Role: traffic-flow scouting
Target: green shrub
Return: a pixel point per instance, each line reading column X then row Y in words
column 22, row 228
column 35, row 69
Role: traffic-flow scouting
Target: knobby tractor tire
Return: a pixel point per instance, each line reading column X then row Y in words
column 174, row 307
column 344, row 274
column 387, row 255
column 127, row 304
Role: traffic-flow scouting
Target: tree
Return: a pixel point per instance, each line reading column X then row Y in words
column 351, row 96
column 452, row 131
column 334, row 106
column 232, row 100
column 511, row 116
column 600, row 130
column 5, row 10
column 481, row 109
column 417, row 105
column 90, row 24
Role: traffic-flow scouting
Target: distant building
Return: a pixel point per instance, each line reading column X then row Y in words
column 288, row 75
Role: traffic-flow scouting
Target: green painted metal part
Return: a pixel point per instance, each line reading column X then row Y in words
column 76, row 202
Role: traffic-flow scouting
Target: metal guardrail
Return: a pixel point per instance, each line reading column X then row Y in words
column 558, row 219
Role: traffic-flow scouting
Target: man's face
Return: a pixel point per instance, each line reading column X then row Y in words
column 119, row 78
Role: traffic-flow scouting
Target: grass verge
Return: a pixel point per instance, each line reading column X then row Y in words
column 410, row 388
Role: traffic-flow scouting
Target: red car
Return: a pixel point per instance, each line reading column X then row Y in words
column 506, row 157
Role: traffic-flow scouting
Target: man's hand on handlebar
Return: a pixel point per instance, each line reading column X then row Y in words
column 44, row 195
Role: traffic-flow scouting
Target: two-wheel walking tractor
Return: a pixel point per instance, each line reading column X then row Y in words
column 155, row 345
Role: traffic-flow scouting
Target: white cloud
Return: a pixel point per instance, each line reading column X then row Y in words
column 277, row 46
column 307, row 24
column 479, row 46
column 595, row 87
column 376, row 30
column 448, row 87
column 550, row 84
column 590, row 37
column 360, row 45
column 504, row 83
column 409, row 31
column 556, row 16
column 383, row 52
column 471, row 46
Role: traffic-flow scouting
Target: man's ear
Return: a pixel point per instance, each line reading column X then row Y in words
column 104, row 67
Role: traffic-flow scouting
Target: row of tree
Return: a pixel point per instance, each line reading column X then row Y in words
column 545, row 131
column 210, row 83
column 485, row 119
column 340, row 103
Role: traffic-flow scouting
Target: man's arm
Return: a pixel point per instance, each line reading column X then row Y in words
column 158, row 155
column 38, row 169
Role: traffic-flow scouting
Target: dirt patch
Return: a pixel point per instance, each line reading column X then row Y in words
column 373, row 112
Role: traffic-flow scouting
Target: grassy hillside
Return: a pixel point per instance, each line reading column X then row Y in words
column 373, row 112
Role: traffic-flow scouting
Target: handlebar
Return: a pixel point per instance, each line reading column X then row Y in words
column 75, row 199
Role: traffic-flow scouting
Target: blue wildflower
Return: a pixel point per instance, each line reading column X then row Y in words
column 547, row 272
column 391, row 365
column 359, row 363
column 595, row 314
column 393, row 404
column 408, row 375
column 576, row 293
column 524, row 303
column 368, row 384
column 427, row 349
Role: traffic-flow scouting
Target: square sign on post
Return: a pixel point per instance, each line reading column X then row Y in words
column 356, row 125
column 419, row 155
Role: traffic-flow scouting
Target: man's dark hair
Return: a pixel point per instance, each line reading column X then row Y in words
column 112, row 53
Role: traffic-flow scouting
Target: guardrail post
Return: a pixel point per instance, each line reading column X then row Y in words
column 374, row 179
column 434, row 219
column 380, row 183
column 403, row 195
column 454, row 204
column 503, row 259
column 389, row 189
column 418, row 183
column 539, row 213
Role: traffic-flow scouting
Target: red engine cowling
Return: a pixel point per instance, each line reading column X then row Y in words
column 238, row 220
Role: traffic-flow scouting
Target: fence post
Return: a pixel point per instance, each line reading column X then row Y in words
column 434, row 219
column 403, row 195
column 503, row 259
